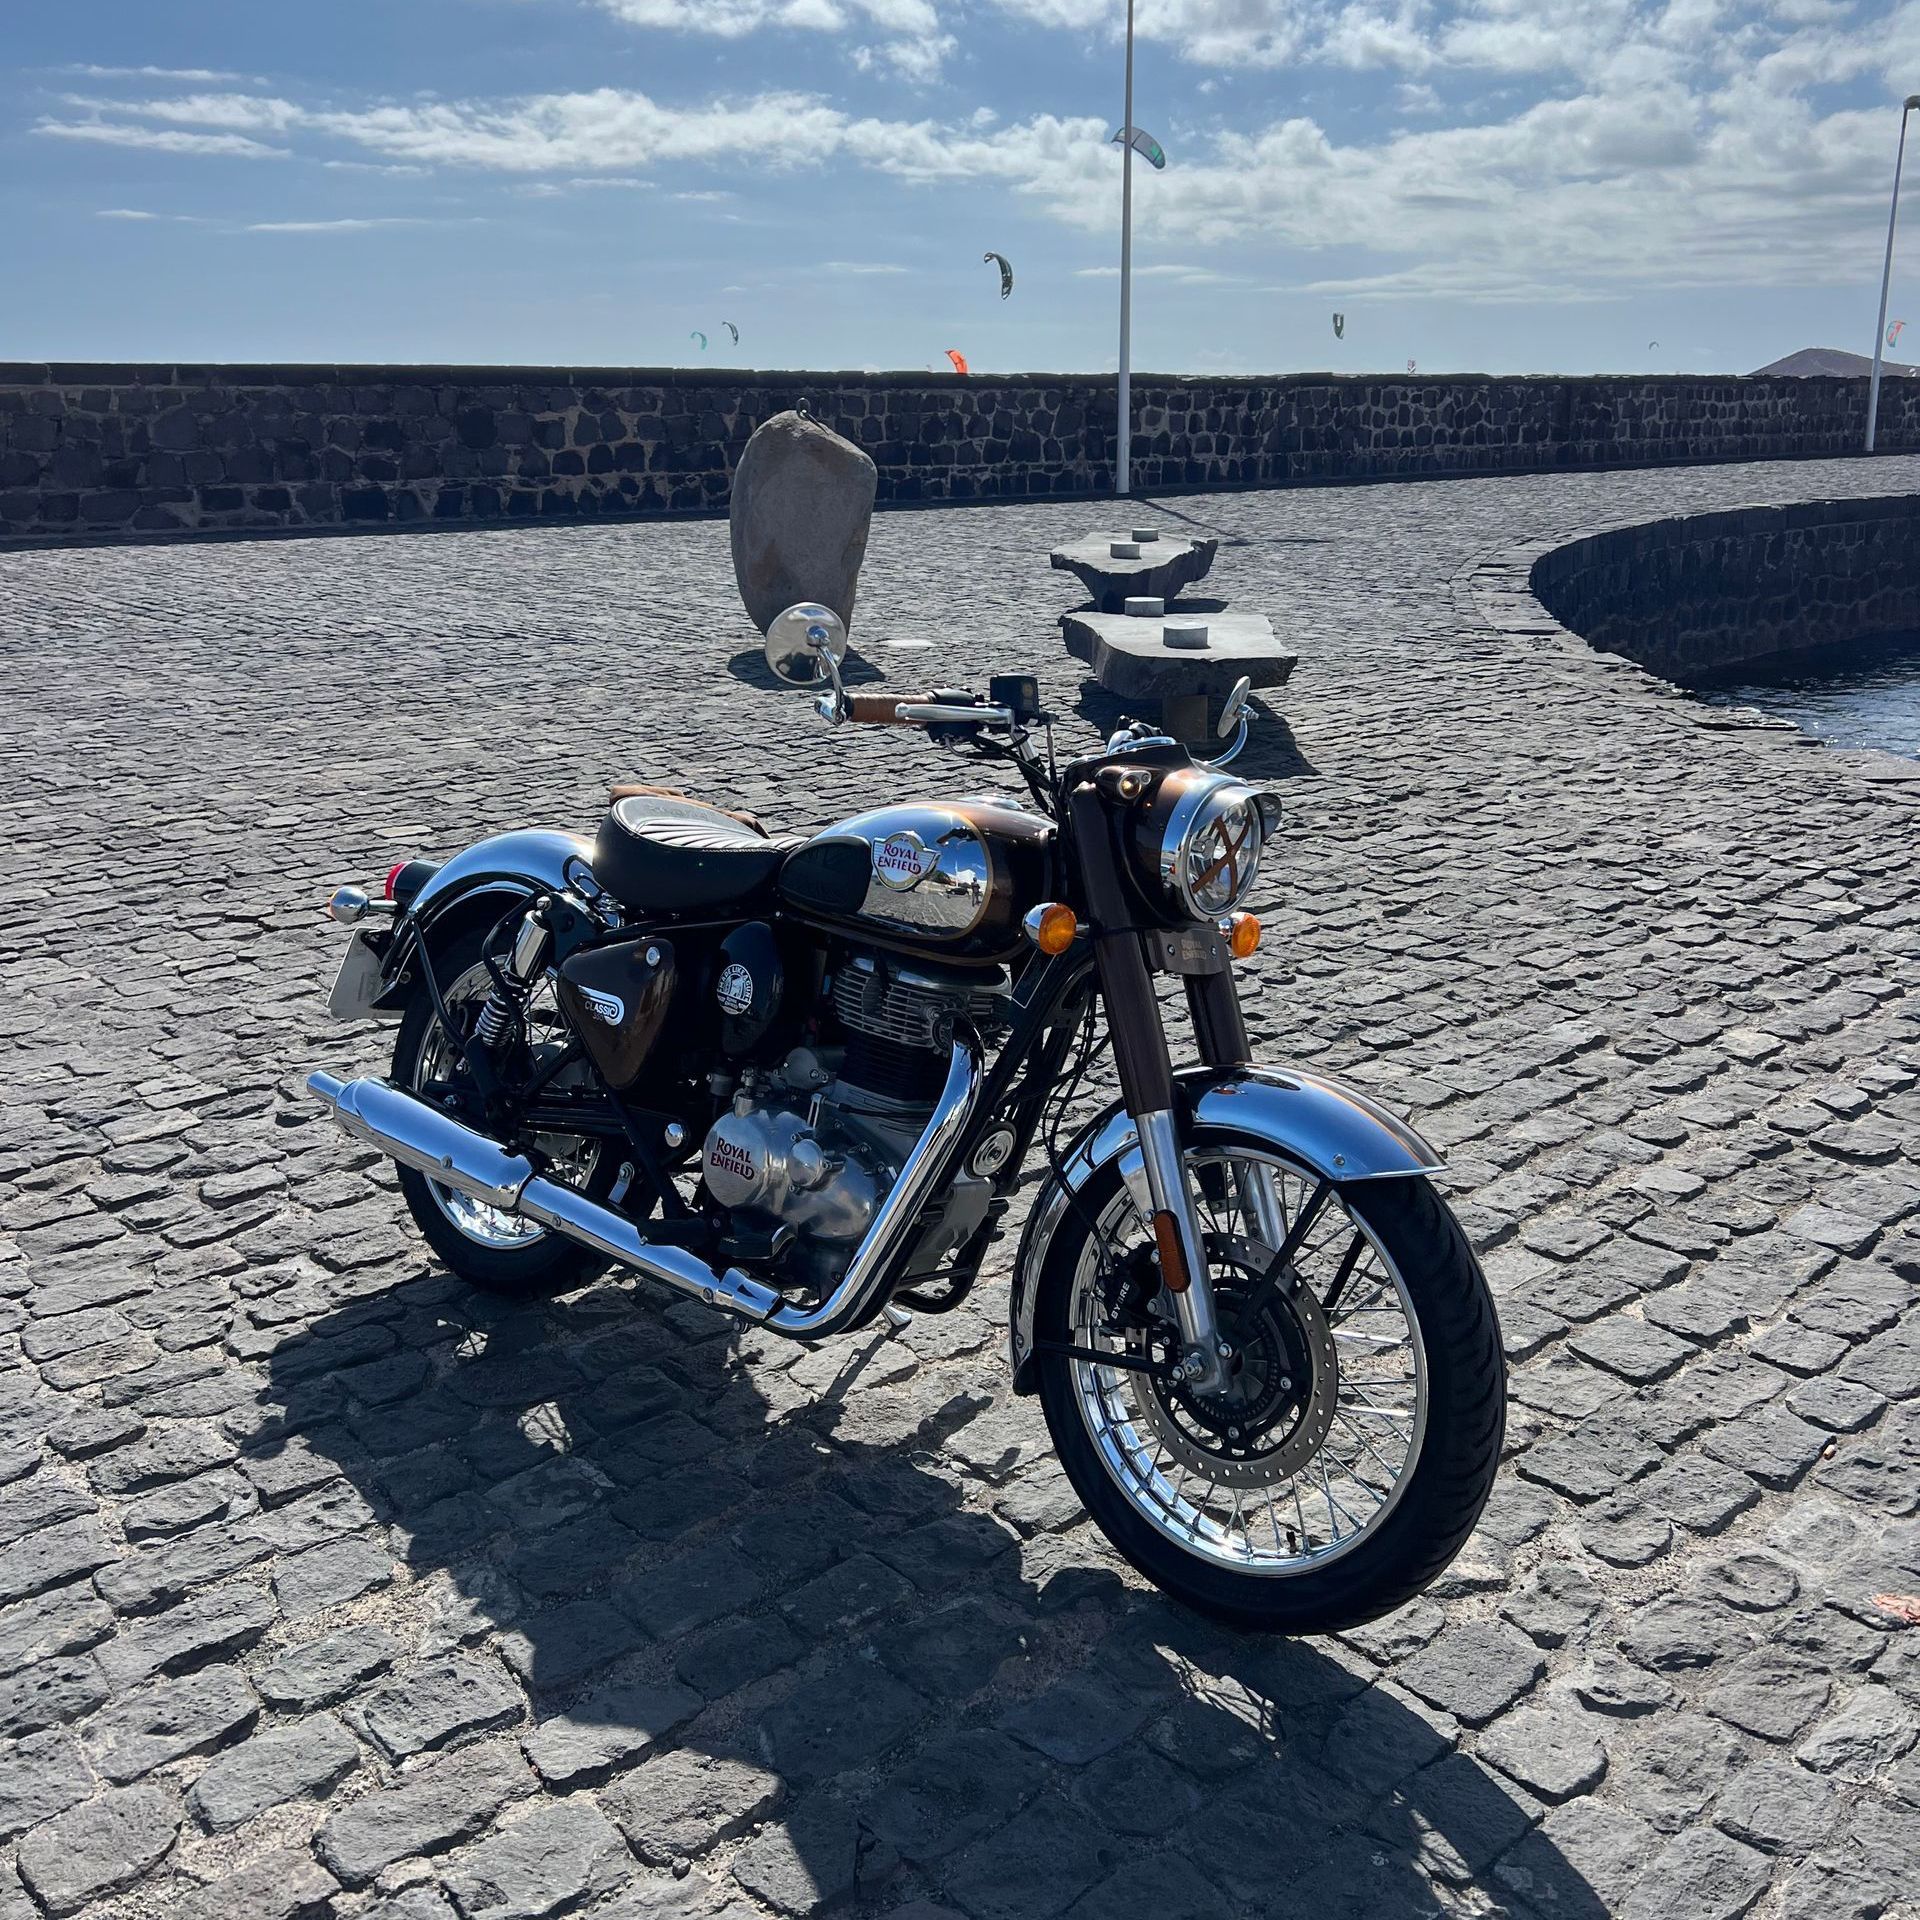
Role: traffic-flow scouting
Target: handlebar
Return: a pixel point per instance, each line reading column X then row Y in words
column 917, row 710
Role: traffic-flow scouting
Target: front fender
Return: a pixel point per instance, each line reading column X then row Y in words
column 1332, row 1129
column 483, row 880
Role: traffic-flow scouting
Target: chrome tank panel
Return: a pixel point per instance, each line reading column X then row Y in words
column 943, row 878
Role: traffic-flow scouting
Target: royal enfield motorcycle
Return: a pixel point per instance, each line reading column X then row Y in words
column 800, row 1077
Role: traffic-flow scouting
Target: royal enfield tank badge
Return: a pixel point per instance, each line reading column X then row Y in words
column 734, row 989
column 903, row 860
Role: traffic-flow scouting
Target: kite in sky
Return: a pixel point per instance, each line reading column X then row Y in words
column 1894, row 331
column 732, row 329
column 696, row 334
column 1144, row 144
column 1651, row 344
column 1006, row 271
column 1339, row 326
column 1413, row 366
column 958, row 358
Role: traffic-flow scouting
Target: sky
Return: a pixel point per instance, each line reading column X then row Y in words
column 1476, row 185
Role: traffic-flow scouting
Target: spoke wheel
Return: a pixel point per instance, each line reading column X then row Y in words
column 488, row 1246
column 437, row 1063
column 1264, row 1477
column 1345, row 1457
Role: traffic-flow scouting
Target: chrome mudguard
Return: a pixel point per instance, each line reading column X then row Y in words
column 1331, row 1128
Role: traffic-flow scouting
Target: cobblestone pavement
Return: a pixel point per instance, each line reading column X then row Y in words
column 326, row 1587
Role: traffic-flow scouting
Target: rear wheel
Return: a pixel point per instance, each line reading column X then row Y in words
column 1344, row 1461
column 498, row 1251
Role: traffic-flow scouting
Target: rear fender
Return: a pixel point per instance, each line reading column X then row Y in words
column 475, row 888
column 1330, row 1128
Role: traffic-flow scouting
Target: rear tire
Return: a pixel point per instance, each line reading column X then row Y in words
column 542, row 1264
column 1426, row 1520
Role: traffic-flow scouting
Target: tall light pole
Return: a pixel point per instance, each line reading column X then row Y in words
column 1886, row 272
column 1123, row 451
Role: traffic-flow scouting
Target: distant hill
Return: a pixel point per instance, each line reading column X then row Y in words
column 1832, row 360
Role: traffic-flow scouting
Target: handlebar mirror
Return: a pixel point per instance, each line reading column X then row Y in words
column 1236, row 712
column 806, row 644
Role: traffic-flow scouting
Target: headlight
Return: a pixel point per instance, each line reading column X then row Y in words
column 1202, row 836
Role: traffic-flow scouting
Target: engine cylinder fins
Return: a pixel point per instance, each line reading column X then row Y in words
column 915, row 1006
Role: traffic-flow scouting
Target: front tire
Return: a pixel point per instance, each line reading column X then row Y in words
column 498, row 1253
column 1262, row 1545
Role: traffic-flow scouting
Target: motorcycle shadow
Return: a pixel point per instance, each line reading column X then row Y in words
column 689, row 1543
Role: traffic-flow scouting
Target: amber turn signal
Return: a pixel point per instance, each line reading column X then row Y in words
column 1173, row 1256
column 1052, row 928
column 1243, row 935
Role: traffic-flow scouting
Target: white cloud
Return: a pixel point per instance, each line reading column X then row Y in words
column 862, row 266
column 1184, row 276
column 190, row 75
column 1674, row 144
column 345, row 226
column 159, row 139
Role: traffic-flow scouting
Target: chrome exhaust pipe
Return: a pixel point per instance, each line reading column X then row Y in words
column 407, row 1129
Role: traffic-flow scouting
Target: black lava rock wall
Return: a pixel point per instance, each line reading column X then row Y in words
column 1689, row 597
column 90, row 451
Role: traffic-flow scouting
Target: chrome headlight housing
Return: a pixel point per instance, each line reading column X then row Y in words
column 1202, row 839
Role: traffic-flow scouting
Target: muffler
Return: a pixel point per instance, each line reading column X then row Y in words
column 408, row 1130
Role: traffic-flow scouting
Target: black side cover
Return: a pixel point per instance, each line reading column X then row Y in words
column 749, row 986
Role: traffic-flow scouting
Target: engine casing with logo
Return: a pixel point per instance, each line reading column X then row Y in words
column 945, row 877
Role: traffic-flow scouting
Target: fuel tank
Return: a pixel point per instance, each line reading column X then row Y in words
column 951, row 877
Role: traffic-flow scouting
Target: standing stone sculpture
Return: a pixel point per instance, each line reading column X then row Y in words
column 802, row 501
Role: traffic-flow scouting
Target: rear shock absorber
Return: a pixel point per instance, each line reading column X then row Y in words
column 513, row 983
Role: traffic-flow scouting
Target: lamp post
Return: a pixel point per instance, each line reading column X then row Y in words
column 1123, row 450
column 1886, row 273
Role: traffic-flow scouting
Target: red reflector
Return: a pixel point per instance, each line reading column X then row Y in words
column 393, row 873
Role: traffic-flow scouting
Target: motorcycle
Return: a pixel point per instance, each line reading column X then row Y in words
column 798, row 1077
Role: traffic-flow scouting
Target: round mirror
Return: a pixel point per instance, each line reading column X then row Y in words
column 1235, row 710
column 802, row 640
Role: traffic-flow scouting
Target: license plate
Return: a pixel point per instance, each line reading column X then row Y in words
column 359, row 983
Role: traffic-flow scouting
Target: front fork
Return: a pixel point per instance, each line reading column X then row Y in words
column 1145, row 1071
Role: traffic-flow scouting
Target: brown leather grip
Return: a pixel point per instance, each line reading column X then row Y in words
column 879, row 709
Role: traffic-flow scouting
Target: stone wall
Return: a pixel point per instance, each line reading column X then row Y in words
column 103, row 451
column 1689, row 597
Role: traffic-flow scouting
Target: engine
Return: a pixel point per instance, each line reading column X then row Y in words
column 806, row 1155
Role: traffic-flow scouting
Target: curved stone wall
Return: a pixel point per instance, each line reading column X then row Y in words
column 1690, row 597
column 89, row 452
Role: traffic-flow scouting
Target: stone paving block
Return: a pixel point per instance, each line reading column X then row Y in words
column 40, row 1776
column 1773, row 1444
column 286, row 1884
column 449, row 1800
column 65, row 1620
column 435, row 1701
column 1036, row 1866
column 809, row 1862
column 306, row 1758
column 679, row 1805
column 97, row 1848
column 846, row 1717
column 50, row 1693
column 322, row 1671
column 615, row 1726
column 1701, row 1873
column 168, row 1720
column 552, row 1859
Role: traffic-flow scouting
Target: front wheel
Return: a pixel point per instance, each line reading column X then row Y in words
column 1346, row 1458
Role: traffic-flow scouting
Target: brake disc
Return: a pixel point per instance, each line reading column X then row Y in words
column 1276, row 1409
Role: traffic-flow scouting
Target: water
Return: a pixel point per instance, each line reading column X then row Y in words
column 1860, row 693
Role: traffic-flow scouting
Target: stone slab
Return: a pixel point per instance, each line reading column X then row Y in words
column 1165, row 566
column 1128, row 655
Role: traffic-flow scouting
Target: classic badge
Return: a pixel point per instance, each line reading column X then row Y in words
column 903, row 860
